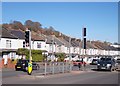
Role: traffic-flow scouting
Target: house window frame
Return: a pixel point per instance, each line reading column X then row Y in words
column 8, row 44
column 38, row 44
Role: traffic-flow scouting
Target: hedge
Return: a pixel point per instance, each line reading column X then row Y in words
column 36, row 54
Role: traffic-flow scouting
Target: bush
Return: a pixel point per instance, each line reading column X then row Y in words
column 36, row 54
column 60, row 56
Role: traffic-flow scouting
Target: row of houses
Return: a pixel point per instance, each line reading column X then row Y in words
column 11, row 40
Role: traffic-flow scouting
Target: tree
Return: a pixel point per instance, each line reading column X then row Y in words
column 17, row 25
column 34, row 26
column 60, row 56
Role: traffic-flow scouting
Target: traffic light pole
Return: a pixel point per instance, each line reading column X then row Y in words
column 84, row 45
column 70, row 54
column 30, row 57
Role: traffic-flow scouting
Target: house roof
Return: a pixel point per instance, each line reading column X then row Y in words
column 18, row 33
column 66, row 43
column 56, row 40
column 103, row 46
column 90, row 45
column 7, row 34
column 37, row 37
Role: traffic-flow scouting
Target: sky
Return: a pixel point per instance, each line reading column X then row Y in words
column 100, row 18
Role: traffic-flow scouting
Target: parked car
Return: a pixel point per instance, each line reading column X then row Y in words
column 118, row 64
column 35, row 66
column 106, row 64
column 23, row 65
column 77, row 62
column 94, row 62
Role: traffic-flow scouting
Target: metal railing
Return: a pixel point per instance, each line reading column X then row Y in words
column 53, row 67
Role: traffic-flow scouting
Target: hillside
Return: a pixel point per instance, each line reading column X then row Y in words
column 37, row 28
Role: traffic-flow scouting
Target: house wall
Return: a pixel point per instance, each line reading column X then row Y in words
column 15, row 43
column 38, row 45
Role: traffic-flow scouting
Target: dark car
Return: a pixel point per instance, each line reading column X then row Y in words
column 94, row 62
column 106, row 64
column 35, row 66
column 21, row 65
column 118, row 64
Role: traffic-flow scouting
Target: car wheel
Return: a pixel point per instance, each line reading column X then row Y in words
column 112, row 69
column 16, row 69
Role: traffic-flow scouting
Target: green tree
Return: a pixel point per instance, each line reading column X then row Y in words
column 60, row 56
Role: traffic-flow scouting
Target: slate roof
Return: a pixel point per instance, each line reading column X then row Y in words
column 7, row 34
column 103, row 46
column 37, row 37
column 56, row 40
column 64, row 42
column 18, row 33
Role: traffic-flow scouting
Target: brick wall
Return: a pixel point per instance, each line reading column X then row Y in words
column 9, row 65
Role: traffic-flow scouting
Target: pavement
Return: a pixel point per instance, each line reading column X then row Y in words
column 39, row 75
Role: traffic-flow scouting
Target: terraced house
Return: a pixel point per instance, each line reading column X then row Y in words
column 11, row 40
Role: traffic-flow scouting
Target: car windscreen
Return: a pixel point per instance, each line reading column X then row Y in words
column 105, row 60
column 19, row 61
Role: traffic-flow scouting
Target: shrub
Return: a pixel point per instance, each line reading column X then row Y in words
column 60, row 56
column 36, row 54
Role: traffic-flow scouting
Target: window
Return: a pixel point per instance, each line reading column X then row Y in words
column 38, row 45
column 8, row 43
column 74, row 50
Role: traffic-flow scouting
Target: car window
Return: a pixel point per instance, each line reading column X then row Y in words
column 94, row 59
column 19, row 61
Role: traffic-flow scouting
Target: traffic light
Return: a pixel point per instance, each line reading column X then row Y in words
column 84, row 31
column 23, row 44
column 27, row 37
column 84, row 41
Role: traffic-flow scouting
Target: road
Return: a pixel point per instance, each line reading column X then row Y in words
column 11, row 72
column 75, row 77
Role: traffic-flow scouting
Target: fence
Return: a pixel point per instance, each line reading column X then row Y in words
column 53, row 67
